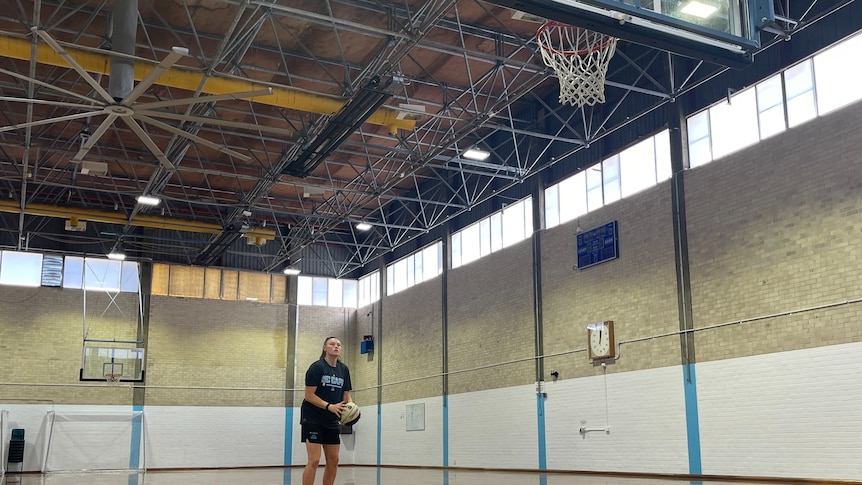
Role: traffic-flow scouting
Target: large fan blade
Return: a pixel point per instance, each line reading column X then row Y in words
column 204, row 99
column 91, row 142
column 175, row 55
column 74, row 64
column 49, row 86
column 194, row 138
column 145, row 138
column 45, row 122
column 45, row 102
column 221, row 123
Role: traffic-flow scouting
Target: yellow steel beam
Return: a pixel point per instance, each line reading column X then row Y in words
column 141, row 220
column 177, row 77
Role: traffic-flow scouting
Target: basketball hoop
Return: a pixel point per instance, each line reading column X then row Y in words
column 580, row 58
column 113, row 378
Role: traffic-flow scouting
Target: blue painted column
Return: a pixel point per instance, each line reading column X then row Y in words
column 692, row 424
column 379, row 431
column 288, row 436
column 446, row 431
column 540, row 414
column 137, row 433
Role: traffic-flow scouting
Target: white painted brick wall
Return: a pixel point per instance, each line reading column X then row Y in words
column 495, row 428
column 207, row 437
column 365, row 438
column 785, row 414
column 32, row 417
column 645, row 414
column 415, row 448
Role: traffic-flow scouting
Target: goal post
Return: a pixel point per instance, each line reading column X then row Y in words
column 96, row 441
column 4, row 441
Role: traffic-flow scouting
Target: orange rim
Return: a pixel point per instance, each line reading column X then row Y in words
column 554, row 24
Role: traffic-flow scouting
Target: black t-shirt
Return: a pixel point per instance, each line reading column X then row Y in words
column 331, row 382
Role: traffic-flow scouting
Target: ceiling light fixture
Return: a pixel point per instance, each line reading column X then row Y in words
column 363, row 226
column 289, row 271
column 520, row 172
column 148, row 200
column 476, row 154
column 116, row 255
column 699, row 9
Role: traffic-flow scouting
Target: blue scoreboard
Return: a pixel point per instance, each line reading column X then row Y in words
column 598, row 245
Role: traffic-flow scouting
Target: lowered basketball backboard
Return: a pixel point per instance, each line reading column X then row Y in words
column 724, row 32
column 114, row 363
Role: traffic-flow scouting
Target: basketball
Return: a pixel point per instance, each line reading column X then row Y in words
column 350, row 415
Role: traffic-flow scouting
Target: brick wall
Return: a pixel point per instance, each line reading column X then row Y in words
column 783, row 414
column 216, row 344
column 491, row 321
column 774, row 236
column 412, row 341
column 316, row 323
column 41, row 339
column 363, row 367
column 776, row 229
column 637, row 291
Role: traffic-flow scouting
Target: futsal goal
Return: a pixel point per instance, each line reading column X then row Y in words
column 4, row 442
column 86, row 442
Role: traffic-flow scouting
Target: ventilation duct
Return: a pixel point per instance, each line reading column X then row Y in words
column 368, row 99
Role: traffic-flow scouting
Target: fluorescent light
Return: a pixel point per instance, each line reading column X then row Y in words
column 292, row 271
column 698, row 9
column 148, row 200
column 116, row 256
column 476, row 154
column 363, row 226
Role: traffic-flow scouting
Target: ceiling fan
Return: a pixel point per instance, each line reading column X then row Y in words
column 128, row 110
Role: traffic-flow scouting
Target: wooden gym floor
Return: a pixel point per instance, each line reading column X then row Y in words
column 347, row 475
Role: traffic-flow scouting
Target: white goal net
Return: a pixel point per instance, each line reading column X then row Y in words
column 95, row 442
column 4, row 441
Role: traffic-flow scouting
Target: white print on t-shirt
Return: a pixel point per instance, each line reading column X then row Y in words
column 333, row 381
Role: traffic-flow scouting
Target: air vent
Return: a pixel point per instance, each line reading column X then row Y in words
column 313, row 192
column 95, row 169
column 527, row 17
column 76, row 226
column 411, row 112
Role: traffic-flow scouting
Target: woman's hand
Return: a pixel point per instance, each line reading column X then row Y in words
column 337, row 408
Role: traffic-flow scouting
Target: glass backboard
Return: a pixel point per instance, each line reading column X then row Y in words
column 725, row 32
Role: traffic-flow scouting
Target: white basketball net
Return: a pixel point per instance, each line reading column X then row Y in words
column 580, row 57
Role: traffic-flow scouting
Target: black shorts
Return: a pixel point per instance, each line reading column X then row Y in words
column 320, row 435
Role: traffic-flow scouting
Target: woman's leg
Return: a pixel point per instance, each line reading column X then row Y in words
column 310, row 470
column 331, row 453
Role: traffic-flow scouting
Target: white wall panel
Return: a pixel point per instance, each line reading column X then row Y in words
column 365, row 437
column 416, row 448
column 298, row 453
column 205, row 437
column 785, row 414
column 496, row 428
column 645, row 414
column 358, row 448
column 31, row 416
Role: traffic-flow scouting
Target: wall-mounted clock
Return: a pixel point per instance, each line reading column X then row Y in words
column 600, row 340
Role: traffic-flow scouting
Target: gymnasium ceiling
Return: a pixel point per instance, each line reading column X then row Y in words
column 226, row 106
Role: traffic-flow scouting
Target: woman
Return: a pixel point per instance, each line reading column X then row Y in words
column 327, row 390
